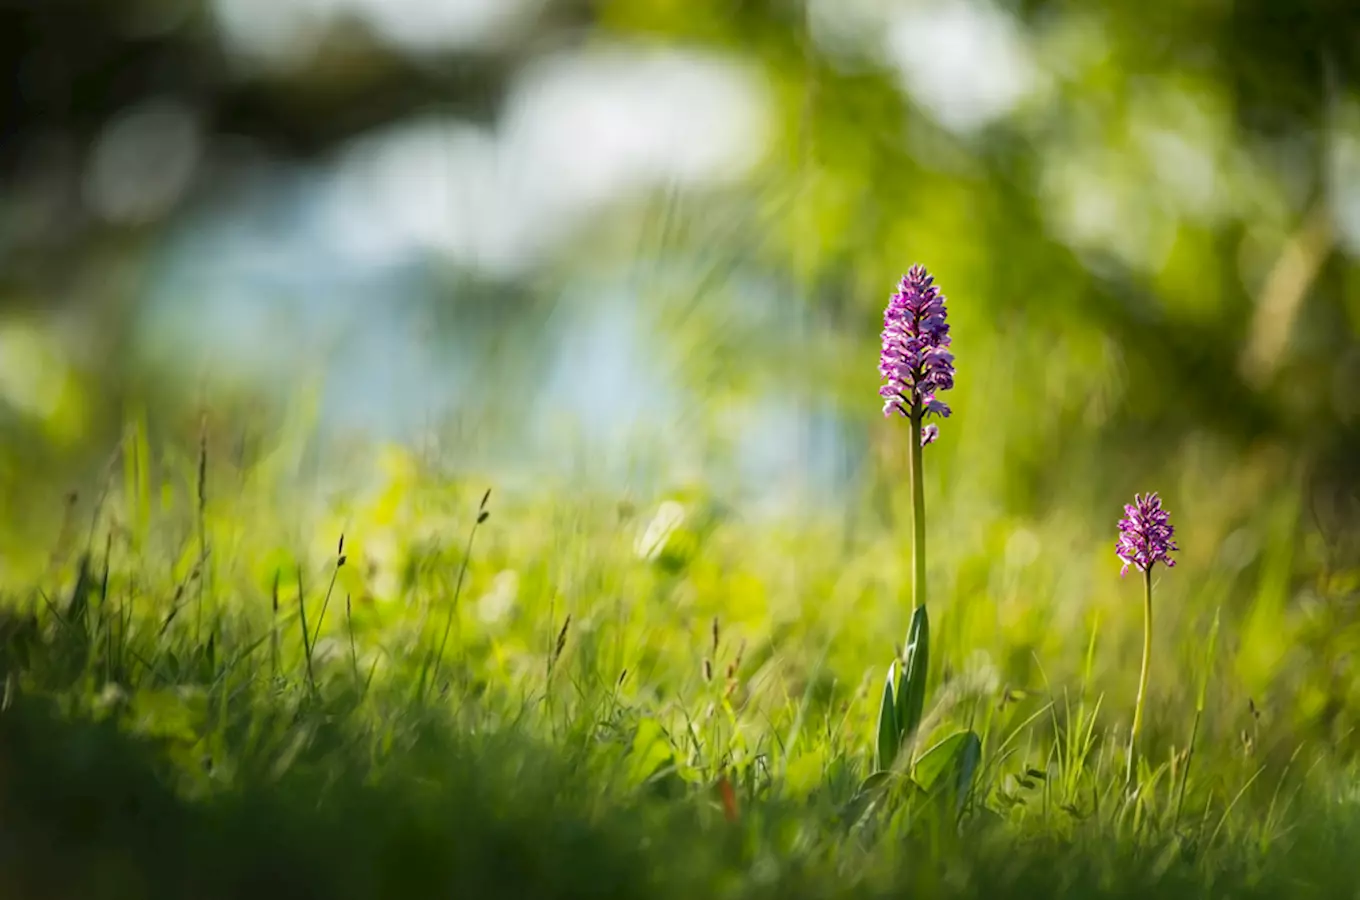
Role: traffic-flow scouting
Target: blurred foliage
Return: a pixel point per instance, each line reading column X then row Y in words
column 1163, row 189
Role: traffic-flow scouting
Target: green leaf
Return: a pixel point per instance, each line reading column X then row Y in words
column 969, row 759
column 874, row 782
column 911, row 690
column 950, row 766
column 870, row 792
column 940, row 759
column 889, row 737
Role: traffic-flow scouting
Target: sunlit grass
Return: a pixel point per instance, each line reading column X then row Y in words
column 569, row 693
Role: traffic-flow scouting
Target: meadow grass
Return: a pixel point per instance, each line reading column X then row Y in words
column 426, row 689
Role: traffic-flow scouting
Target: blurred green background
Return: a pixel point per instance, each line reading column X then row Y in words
column 641, row 249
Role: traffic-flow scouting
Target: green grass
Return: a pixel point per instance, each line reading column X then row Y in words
column 564, row 699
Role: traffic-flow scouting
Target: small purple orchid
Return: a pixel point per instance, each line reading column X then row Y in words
column 1145, row 539
column 915, row 362
column 1145, row 534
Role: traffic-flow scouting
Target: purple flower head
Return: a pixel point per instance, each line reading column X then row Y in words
column 1145, row 534
column 915, row 362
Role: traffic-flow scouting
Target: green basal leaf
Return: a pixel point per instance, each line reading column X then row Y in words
column 870, row 792
column 950, row 766
column 940, row 759
column 874, row 782
column 889, row 737
column 911, row 691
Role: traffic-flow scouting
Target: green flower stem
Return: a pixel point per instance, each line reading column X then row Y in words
column 918, row 511
column 1143, row 676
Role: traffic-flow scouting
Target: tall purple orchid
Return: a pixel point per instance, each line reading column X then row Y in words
column 916, row 366
column 1145, row 539
column 915, row 362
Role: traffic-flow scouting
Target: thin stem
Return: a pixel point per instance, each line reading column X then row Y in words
column 1185, row 776
column 306, row 640
column 1143, row 676
column 918, row 510
column 458, row 589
